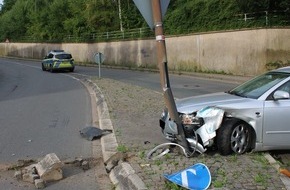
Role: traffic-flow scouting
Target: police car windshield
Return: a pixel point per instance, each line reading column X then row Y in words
column 63, row 56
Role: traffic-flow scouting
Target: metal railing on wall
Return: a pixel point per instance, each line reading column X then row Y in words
column 99, row 37
column 254, row 20
column 113, row 35
column 267, row 17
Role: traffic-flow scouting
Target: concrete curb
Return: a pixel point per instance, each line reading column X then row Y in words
column 123, row 176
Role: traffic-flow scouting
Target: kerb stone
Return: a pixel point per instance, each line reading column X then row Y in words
column 49, row 168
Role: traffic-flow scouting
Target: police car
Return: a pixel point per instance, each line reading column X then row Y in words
column 58, row 60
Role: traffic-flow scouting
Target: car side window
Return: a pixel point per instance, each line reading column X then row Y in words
column 50, row 56
column 285, row 87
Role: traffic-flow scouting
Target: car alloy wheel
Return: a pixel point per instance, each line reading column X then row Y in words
column 234, row 136
column 240, row 138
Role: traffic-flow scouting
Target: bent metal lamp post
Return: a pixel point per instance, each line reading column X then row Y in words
column 152, row 11
column 163, row 69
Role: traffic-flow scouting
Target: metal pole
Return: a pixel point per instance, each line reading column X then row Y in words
column 120, row 15
column 164, row 77
column 99, row 64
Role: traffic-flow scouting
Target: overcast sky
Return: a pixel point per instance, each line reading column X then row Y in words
column 1, row 1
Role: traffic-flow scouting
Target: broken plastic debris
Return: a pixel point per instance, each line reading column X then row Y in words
column 194, row 177
column 144, row 165
column 92, row 132
column 285, row 171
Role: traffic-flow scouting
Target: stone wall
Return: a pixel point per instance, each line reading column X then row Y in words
column 235, row 52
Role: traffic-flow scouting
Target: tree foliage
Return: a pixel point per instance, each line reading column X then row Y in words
column 53, row 20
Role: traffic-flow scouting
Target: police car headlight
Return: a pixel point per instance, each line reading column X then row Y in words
column 164, row 114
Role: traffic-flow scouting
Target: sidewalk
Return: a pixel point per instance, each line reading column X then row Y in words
column 133, row 113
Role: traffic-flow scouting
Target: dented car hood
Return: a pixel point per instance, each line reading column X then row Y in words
column 221, row 100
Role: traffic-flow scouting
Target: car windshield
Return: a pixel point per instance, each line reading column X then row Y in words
column 63, row 56
column 259, row 85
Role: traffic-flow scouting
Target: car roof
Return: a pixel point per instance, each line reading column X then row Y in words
column 56, row 52
column 283, row 69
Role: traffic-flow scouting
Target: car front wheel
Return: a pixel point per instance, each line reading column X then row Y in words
column 43, row 68
column 234, row 136
column 51, row 68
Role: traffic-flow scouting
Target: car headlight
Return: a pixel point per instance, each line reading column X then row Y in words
column 191, row 119
column 164, row 114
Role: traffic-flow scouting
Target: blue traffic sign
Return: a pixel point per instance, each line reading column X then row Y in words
column 195, row 177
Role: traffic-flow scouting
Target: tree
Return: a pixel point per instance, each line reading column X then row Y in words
column 131, row 17
column 14, row 22
column 7, row 5
column 54, row 20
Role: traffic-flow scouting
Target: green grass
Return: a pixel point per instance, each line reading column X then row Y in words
column 122, row 148
column 261, row 179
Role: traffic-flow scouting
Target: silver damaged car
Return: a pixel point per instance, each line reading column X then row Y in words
column 253, row 116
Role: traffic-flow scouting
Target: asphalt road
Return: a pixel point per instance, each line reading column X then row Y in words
column 182, row 85
column 42, row 113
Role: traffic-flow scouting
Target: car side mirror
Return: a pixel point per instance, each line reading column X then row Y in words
column 280, row 95
column 72, row 59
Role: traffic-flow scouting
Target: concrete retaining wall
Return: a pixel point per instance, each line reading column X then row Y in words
column 236, row 52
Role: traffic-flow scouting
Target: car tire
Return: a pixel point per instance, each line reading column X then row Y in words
column 50, row 68
column 234, row 136
column 42, row 66
column 72, row 69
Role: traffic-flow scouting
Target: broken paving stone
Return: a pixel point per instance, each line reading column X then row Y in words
column 39, row 184
column 29, row 177
column 18, row 175
column 54, row 175
column 49, row 168
column 29, row 169
column 109, row 167
column 85, row 165
column 46, row 170
column 23, row 163
column 79, row 161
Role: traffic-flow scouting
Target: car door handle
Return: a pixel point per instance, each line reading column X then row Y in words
column 258, row 114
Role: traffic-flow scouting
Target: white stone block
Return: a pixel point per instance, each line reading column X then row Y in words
column 49, row 168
